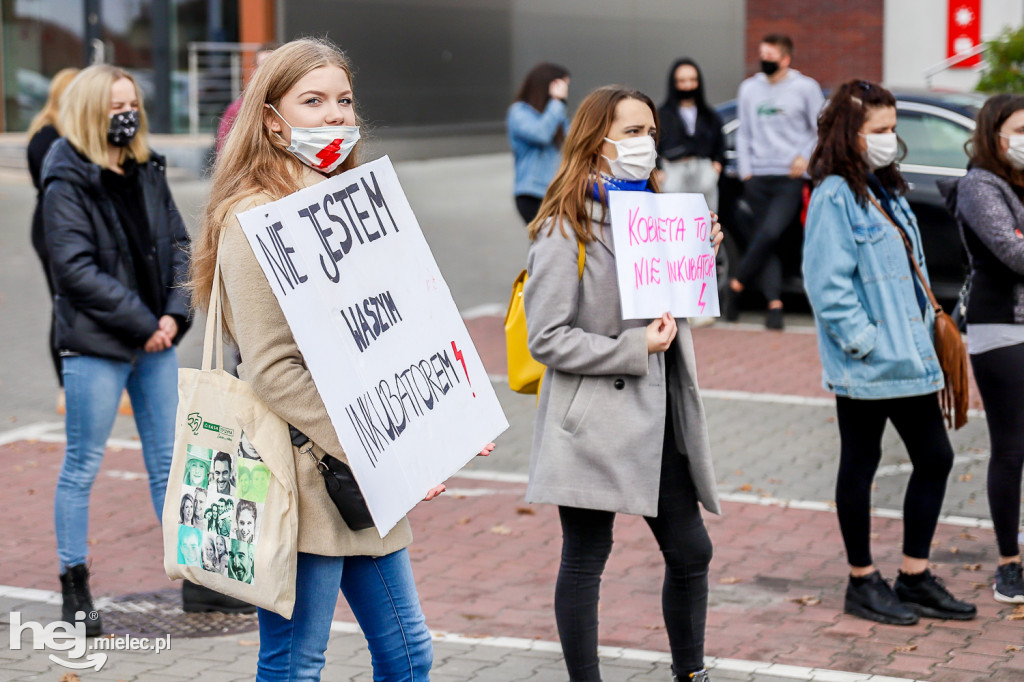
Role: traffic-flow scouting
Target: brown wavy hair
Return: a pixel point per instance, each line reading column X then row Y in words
column 567, row 198
column 534, row 90
column 255, row 160
column 838, row 151
column 983, row 148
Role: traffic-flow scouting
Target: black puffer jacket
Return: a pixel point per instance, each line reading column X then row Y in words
column 98, row 308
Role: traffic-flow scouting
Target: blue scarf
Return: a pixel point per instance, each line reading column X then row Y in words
column 615, row 184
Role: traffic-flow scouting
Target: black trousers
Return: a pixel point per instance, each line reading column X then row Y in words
column 527, row 207
column 686, row 547
column 1000, row 377
column 918, row 420
column 775, row 201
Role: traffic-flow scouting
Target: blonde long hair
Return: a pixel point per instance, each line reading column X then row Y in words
column 567, row 197
column 85, row 115
column 255, row 160
column 47, row 116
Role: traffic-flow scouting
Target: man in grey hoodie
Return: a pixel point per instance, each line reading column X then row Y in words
column 778, row 114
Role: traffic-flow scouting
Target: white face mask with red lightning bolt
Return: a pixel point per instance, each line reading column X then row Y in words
column 322, row 148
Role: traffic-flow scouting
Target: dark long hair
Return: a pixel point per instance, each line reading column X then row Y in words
column 838, row 151
column 983, row 147
column 671, row 94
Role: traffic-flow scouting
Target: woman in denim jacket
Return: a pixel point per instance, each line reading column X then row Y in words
column 877, row 354
column 537, row 124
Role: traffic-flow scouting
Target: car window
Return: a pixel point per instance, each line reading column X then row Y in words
column 932, row 140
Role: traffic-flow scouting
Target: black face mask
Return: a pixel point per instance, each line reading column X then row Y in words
column 686, row 94
column 123, row 127
column 769, row 68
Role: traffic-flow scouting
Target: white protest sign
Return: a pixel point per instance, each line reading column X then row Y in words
column 663, row 254
column 389, row 353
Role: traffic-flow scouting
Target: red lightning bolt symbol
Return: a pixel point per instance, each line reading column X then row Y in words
column 329, row 154
column 458, row 356
column 700, row 299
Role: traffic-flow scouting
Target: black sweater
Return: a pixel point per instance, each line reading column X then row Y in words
column 675, row 142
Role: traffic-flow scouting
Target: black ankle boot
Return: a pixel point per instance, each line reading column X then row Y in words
column 74, row 588
column 197, row 599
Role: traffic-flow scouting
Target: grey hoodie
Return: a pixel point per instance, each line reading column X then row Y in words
column 778, row 122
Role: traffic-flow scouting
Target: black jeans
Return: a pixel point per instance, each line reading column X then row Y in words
column 775, row 201
column 686, row 547
column 527, row 207
column 918, row 420
column 1000, row 377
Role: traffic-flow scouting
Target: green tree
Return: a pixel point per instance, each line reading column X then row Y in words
column 1005, row 60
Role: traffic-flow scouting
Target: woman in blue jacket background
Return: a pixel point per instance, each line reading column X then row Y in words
column 537, row 124
column 875, row 336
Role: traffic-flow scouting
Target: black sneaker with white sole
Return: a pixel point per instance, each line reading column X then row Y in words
column 1009, row 584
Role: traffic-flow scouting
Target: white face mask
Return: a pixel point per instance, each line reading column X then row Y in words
column 883, row 148
column 636, row 159
column 1015, row 154
column 322, row 148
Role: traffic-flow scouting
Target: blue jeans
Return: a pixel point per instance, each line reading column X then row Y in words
column 92, row 388
column 382, row 595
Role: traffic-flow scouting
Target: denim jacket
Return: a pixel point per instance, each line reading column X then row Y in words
column 531, row 134
column 875, row 341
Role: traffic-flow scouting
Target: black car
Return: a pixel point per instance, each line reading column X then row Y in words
column 934, row 126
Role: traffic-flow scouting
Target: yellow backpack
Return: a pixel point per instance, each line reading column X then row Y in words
column 525, row 373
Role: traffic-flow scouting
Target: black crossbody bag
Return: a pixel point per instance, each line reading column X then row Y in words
column 341, row 484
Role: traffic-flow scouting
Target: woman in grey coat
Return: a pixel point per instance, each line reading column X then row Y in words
column 620, row 425
column 987, row 205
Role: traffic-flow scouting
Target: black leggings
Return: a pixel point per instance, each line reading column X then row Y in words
column 918, row 420
column 686, row 547
column 774, row 200
column 1000, row 377
column 527, row 207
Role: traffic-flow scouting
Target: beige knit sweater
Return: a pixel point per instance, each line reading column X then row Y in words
column 273, row 366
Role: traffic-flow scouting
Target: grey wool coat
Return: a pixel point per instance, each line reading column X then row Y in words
column 601, row 416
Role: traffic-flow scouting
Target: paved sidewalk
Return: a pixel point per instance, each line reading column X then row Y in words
column 486, row 562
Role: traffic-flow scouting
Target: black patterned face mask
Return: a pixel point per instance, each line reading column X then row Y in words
column 123, row 127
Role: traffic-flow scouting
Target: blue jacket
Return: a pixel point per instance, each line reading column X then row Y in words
column 531, row 133
column 875, row 341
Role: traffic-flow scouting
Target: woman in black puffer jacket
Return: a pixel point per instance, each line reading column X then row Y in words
column 118, row 256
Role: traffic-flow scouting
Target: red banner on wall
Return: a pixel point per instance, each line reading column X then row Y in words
column 963, row 30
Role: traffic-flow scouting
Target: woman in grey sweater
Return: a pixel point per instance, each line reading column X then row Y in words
column 987, row 205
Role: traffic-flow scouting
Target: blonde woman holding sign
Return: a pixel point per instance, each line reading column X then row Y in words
column 297, row 127
column 620, row 426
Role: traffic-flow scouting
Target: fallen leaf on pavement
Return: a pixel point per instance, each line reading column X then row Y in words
column 954, row 550
column 966, row 477
column 69, row 677
column 248, row 642
column 472, row 616
column 746, row 487
column 905, row 649
column 501, row 530
column 972, row 567
column 806, row 600
column 730, row 580
column 1010, row 648
column 979, row 586
column 463, row 521
column 526, row 511
column 967, row 536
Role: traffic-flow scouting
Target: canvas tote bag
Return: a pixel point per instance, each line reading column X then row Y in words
column 230, row 520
